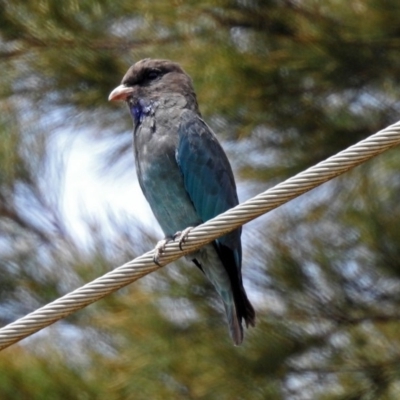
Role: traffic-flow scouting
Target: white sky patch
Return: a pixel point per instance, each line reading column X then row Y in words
column 90, row 192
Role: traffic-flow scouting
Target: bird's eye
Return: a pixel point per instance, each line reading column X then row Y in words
column 153, row 74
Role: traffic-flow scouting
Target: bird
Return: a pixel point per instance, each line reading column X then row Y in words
column 185, row 175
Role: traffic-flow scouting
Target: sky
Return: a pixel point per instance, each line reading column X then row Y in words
column 90, row 191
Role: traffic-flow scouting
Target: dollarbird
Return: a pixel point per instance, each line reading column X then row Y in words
column 185, row 174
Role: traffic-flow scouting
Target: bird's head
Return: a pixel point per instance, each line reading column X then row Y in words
column 150, row 79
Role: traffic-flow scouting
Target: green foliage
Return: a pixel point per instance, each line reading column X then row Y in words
column 288, row 84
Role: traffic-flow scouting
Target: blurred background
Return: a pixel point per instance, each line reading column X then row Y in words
column 284, row 84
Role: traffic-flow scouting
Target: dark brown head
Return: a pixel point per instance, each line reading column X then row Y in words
column 150, row 79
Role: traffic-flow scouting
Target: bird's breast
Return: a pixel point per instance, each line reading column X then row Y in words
column 160, row 177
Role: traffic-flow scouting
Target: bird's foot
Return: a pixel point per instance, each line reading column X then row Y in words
column 160, row 248
column 182, row 235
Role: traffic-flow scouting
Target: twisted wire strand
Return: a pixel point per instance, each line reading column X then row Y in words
column 202, row 234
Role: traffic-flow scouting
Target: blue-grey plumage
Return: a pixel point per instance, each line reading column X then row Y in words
column 185, row 174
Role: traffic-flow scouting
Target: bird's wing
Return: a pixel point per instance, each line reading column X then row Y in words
column 207, row 175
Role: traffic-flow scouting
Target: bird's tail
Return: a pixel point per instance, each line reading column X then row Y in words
column 246, row 310
column 235, row 326
column 238, row 307
column 220, row 269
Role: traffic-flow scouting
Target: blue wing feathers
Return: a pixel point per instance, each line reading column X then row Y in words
column 206, row 170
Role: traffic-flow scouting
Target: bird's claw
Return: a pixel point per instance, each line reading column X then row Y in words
column 182, row 236
column 160, row 248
